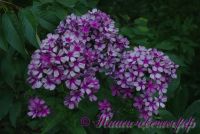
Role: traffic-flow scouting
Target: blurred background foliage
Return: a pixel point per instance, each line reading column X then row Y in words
column 171, row 26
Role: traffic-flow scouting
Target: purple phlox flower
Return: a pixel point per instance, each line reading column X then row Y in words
column 57, row 58
column 105, row 109
column 115, row 90
column 138, row 102
column 151, row 104
column 50, row 41
column 154, row 74
column 49, row 83
column 89, row 84
column 85, row 29
column 71, row 55
column 160, row 101
column 145, row 114
column 70, row 102
column 140, row 84
column 45, row 58
column 73, row 83
column 138, row 71
column 162, row 88
column 76, row 95
column 99, row 46
column 144, row 60
column 122, row 81
column 104, row 105
column 130, row 78
column 78, row 65
column 35, row 82
column 90, row 55
column 151, row 86
column 68, row 37
column 92, row 97
column 127, row 93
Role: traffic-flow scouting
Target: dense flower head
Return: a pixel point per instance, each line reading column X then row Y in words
column 37, row 108
column 80, row 47
column 148, row 73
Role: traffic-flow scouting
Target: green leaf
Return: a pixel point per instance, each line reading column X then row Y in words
column 14, row 113
column 7, row 69
column 141, row 21
column 173, row 85
column 177, row 59
column 141, row 30
column 61, row 13
column 81, row 8
column 165, row 45
column 193, row 109
column 67, row 3
column 38, row 39
column 46, row 24
column 6, row 98
column 44, row 17
column 3, row 42
column 180, row 102
column 166, row 115
column 50, row 16
column 46, row 1
column 136, row 131
column 90, row 3
column 29, row 25
column 12, row 35
column 77, row 130
column 127, row 31
column 52, row 122
column 34, row 124
column 118, row 130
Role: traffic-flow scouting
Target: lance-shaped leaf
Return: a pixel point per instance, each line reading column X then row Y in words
column 11, row 34
column 29, row 26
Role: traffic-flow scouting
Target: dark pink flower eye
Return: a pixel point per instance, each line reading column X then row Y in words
column 68, row 39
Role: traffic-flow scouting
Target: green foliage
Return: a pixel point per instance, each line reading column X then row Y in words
column 5, row 102
column 14, row 113
column 8, row 27
column 170, row 26
column 29, row 26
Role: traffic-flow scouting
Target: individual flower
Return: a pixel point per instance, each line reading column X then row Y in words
column 104, row 105
column 73, row 83
column 115, row 90
column 89, row 84
column 70, row 102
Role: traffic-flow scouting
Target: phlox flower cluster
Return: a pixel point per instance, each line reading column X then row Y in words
column 84, row 45
column 145, row 73
column 80, row 46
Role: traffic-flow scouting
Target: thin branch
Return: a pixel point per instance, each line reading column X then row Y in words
column 10, row 4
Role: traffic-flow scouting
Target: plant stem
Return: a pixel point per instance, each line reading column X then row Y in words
column 10, row 4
